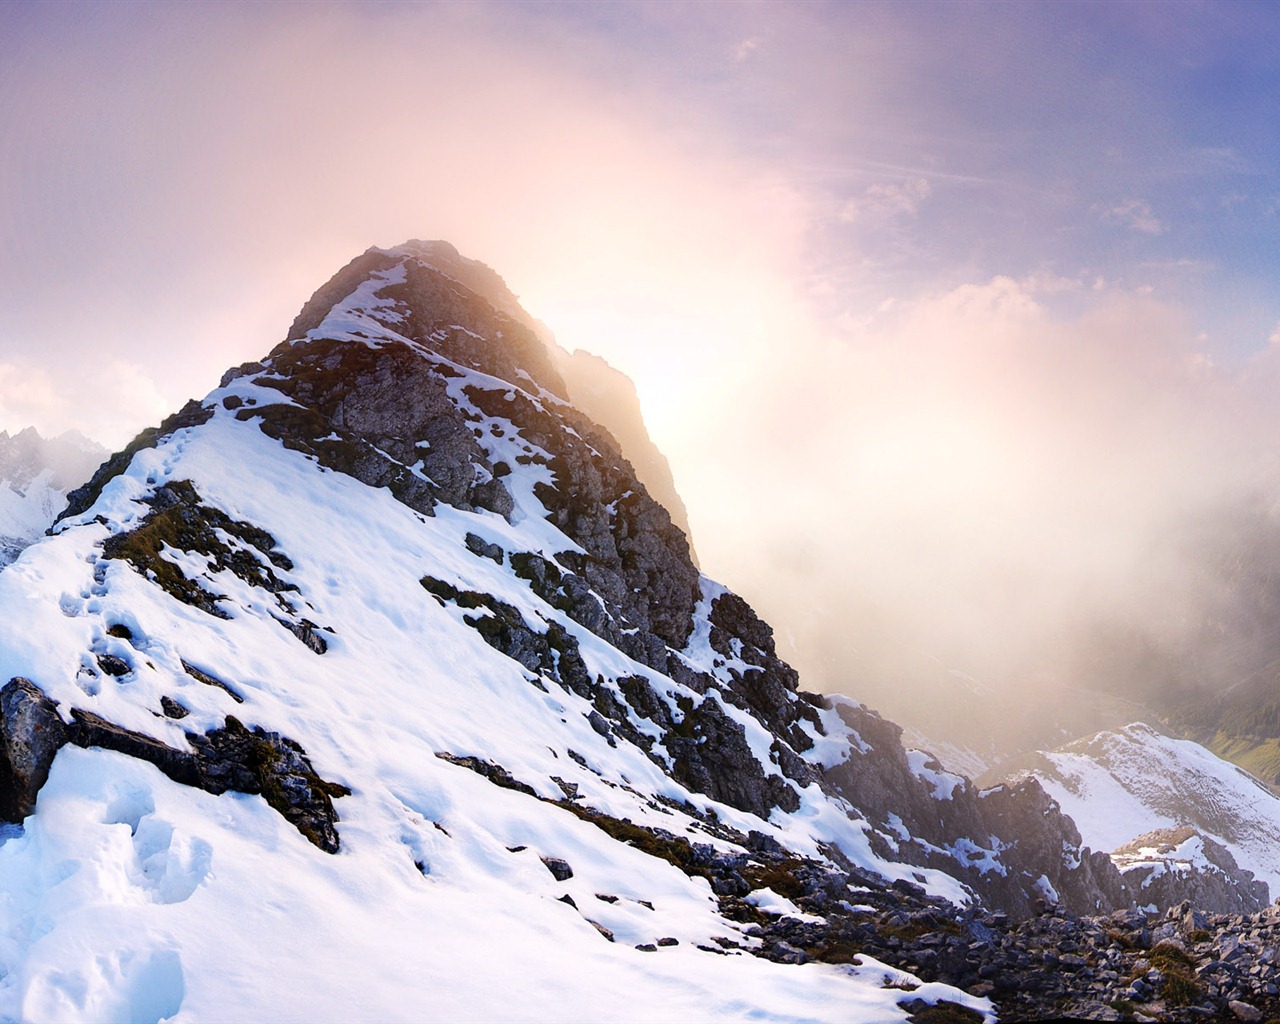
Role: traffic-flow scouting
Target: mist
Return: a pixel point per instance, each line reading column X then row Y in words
column 991, row 519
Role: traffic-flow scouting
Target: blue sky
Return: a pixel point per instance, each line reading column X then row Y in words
column 941, row 280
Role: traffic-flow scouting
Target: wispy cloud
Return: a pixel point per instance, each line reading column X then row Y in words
column 1136, row 214
column 746, row 48
column 888, row 200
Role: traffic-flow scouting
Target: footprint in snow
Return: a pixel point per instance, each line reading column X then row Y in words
column 168, row 866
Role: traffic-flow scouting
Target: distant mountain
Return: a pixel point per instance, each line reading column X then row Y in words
column 376, row 684
column 1119, row 785
column 35, row 476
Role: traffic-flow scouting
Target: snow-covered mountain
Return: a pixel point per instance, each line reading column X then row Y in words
column 1129, row 783
column 376, row 684
column 35, row 476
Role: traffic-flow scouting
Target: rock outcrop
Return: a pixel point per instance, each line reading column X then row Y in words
column 609, row 397
column 230, row 758
column 1172, row 864
column 30, row 734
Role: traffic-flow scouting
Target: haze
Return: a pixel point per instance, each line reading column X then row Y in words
column 952, row 319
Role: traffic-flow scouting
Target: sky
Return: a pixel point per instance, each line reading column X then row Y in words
column 943, row 313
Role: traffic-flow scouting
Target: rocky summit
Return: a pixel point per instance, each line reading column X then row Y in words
column 377, row 684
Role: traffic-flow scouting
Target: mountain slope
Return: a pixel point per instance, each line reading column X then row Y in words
column 376, row 683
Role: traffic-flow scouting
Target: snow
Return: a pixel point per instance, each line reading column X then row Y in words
column 1187, row 856
column 363, row 315
column 944, row 783
column 1046, row 889
column 773, row 903
column 129, row 897
column 984, row 859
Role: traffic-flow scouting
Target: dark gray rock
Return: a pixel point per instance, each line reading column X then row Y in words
column 479, row 546
column 31, row 733
column 231, row 758
column 559, row 868
column 172, row 709
column 495, row 773
column 114, row 666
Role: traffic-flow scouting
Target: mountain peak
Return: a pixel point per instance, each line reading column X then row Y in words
column 384, row 642
column 426, row 295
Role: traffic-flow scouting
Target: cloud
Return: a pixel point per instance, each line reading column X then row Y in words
column 27, row 396
column 1136, row 214
column 969, row 475
column 888, row 200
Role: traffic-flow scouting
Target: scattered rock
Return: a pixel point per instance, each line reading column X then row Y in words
column 172, row 709
column 114, row 666
column 559, row 868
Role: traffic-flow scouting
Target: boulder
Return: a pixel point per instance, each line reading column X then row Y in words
column 31, row 732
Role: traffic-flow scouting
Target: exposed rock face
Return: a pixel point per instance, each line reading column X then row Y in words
column 231, row 758
column 432, row 307
column 1172, row 864
column 31, row 732
column 398, row 415
column 609, row 397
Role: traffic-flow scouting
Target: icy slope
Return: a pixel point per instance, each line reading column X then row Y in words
column 1118, row 785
